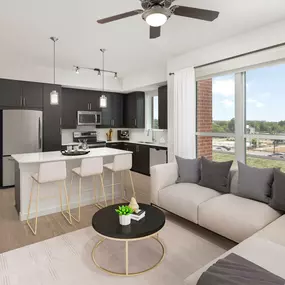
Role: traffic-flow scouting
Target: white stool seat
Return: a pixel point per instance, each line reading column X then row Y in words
column 109, row 166
column 90, row 167
column 122, row 162
column 35, row 176
column 76, row 171
column 49, row 172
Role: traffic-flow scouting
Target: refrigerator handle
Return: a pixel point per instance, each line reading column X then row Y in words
column 39, row 134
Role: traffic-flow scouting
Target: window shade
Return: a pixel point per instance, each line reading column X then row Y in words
column 242, row 63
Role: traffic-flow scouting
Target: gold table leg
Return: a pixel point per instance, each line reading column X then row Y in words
column 127, row 273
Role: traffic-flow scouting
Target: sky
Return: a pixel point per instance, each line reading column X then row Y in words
column 265, row 95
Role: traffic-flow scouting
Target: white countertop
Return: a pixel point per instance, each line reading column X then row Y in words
column 40, row 157
column 139, row 142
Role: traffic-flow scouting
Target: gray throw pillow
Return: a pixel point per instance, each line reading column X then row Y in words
column 215, row 175
column 277, row 201
column 254, row 183
column 188, row 170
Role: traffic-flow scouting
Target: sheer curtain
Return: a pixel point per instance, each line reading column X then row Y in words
column 184, row 114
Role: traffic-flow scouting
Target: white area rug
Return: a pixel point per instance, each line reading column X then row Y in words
column 67, row 259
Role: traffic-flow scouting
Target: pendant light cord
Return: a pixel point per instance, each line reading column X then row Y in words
column 54, row 62
column 103, row 73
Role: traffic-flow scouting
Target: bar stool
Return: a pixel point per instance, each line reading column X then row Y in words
column 90, row 167
column 122, row 162
column 49, row 172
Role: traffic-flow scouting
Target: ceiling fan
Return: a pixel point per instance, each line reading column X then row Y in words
column 157, row 12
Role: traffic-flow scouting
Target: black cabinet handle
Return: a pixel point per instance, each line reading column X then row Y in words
column 24, row 100
column 135, row 122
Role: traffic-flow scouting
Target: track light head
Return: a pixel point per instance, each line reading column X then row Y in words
column 99, row 72
column 116, row 75
column 77, row 69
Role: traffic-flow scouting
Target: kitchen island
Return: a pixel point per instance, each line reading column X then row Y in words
column 28, row 164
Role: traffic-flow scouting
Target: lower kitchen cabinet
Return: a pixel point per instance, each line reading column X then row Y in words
column 140, row 157
column 117, row 145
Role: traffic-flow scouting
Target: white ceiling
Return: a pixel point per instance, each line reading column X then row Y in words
column 25, row 28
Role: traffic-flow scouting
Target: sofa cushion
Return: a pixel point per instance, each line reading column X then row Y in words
column 278, row 191
column 183, row 199
column 189, row 170
column 235, row 217
column 254, row 183
column 262, row 252
column 215, row 175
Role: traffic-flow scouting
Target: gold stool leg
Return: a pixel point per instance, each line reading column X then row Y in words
column 67, row 202
column 113, row 202
column 127, row 258
column 103, row 190
column 79, row 203
column 34, row 231
column 131, row 178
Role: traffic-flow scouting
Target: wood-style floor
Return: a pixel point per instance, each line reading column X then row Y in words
column 15, row 234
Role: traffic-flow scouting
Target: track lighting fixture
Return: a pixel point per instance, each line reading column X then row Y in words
column 77, row 69
column 99, row 73
column 116, row 75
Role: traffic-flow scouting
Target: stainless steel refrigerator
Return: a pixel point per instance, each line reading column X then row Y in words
column 21, row 133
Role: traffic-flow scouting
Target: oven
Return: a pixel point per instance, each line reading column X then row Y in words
column 87, row 118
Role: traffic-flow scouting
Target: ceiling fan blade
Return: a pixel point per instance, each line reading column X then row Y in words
column 120, row 16
column 154, row 32
column 201, row 14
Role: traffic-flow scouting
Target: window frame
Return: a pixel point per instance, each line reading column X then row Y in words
column 240, row 134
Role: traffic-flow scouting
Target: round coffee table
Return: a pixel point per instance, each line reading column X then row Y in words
column 106, row 224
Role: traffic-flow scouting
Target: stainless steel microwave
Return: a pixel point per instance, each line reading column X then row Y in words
column 87, row 118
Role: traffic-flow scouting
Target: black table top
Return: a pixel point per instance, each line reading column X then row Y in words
column 106, row 223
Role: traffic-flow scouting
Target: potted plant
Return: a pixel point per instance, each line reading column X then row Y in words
column 124, row 215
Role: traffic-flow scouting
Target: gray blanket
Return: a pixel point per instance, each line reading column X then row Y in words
column 235, row 270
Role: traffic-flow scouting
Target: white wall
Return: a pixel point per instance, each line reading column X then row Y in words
column 145, row 80
column 18, row 70
column 253, row 40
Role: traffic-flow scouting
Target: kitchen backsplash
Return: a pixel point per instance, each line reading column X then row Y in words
column 159, row 136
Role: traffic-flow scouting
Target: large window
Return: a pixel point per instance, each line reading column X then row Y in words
column 253, row 131
column 154, row 113
column 216, row 117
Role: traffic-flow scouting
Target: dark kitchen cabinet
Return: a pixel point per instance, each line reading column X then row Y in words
column 134, row 110
column 117, row 102
column 112, row 115
column 162, row 107
column 116, row 145
column 70, row 105
column 10, row 93
column 51, row 119
column 140, row 157
column 32, row 95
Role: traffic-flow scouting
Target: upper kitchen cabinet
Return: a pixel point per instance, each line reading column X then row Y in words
column 32, row 95
column 51, row 119
column 112, row 115
column 162, row 107
column 70, row 105
column 134, row 110
column 10, row 93
column 22, row 95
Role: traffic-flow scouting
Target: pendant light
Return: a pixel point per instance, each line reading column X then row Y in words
column 54, row 98
column 103, row 98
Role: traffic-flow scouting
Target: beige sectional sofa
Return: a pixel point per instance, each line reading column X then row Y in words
column 258, row 228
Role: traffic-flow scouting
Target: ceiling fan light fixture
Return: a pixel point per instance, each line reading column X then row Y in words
column 156, row 19
column 156, row 16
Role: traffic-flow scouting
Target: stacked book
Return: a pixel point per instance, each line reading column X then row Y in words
column 138, row 216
